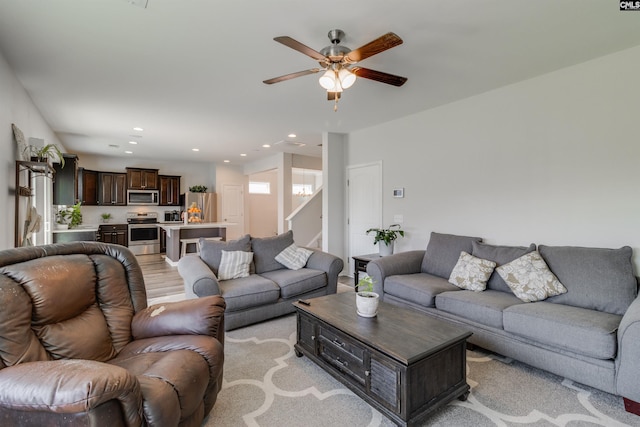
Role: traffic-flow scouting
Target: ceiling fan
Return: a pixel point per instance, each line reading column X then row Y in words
column 338, row 63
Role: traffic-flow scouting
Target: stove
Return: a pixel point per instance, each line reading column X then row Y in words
column 144, row 235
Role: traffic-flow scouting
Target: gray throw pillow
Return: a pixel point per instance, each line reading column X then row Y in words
column 265, row 250
column 443, row 252
column 500, row 255
column 211, row 250
column 596, row 278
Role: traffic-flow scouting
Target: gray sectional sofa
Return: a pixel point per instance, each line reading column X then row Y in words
column 269, row 289
column 590, row 334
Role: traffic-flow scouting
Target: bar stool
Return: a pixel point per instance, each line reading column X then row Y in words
column 186, row 242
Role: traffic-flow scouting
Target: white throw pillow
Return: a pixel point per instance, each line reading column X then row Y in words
column 293, row 257
column 530, row 279
column 234, row 264
column 471, row 272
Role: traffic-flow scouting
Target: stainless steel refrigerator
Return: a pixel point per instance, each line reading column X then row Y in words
column 205, row 201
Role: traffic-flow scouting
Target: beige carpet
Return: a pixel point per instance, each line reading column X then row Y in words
column 265, row 384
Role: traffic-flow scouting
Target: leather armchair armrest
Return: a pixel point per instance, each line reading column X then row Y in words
column 70, row 386
column 401, row 263
column 201, row 316
column 199, row 280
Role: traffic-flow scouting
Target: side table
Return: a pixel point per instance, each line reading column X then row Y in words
column 361, row 262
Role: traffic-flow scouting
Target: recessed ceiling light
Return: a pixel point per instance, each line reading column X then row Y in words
column 227, row 161
column 138, row 129
column 195, row 149
column 265, row 146
column 243, row 155
column 292, row 135
column 133, row 142
column 129, row 152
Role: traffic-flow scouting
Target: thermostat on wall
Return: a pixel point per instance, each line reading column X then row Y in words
column 398, row 192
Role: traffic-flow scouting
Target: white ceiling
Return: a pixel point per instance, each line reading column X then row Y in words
column 190, row 72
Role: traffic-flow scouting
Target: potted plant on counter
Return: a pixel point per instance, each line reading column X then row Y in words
column 366, row 299
column 106, row 217
column 387, row 237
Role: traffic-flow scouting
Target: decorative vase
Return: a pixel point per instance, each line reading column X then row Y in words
column 59, row 226
column 384, row 249
column 367, row 303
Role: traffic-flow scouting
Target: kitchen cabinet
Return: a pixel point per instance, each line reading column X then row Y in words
column 65, row 185
column 113, row 189
column 88, row 186
column 169, row 190
column 113, row 233
column 142, row 179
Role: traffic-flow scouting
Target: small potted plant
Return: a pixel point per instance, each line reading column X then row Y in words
column 106, row 217
column 366, row 299
column 62, row 218
column 75, row 215
column 386, row 236
column 198, row 189
column 43, row 154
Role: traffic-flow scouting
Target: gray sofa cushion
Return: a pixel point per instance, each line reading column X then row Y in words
column 579, row 330
column 248, row 292
column 296, row 282
column 482, row 307
column 265, row 250
column 443, row 252
column 419, row 288
column 211, row 250
column 599, row 279
column 500, row 255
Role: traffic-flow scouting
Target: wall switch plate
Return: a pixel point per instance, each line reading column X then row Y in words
column 398, row 219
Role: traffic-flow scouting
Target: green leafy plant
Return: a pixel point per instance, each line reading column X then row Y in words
column 365, row 284
column 198, row 189
column 76, row 215
column 106, row 216
column 43, row 153
column 387, row 235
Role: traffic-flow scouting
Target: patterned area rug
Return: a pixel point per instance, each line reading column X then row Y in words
column 265, row 384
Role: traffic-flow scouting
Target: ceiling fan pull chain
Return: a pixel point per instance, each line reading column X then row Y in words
column 335, row 106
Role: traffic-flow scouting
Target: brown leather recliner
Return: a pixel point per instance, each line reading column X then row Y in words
column 80, row 347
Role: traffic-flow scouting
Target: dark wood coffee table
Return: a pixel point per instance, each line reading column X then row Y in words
column 404, row 363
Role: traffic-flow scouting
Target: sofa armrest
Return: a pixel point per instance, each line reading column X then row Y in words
column 202, row 316
column 71, row 387
column 199, row 280
column 628, row 359
column 401, row 263
column 330, row 264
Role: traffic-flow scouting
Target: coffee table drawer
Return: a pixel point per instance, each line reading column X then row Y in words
column 343, row 353
column 342, row 343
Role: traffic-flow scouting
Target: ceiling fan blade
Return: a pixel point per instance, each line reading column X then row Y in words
column 331, row 96
column 290, row 76
column 378, row 45
column 379, row 76
column 296, row 45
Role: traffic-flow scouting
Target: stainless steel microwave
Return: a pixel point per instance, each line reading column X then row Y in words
column 142, row 197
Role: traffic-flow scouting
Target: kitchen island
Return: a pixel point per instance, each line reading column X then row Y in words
column 175, row 232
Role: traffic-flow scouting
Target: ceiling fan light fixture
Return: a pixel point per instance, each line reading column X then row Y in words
column 347, row 78
column 328, row 79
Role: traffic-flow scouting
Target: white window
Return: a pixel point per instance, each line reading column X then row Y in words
column 256, row 187
column 302, row 189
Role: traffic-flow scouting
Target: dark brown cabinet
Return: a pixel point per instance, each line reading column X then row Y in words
column 116, row 233
column 142, row 179
column 88, row 186
column 169, row 190
column 65, row 185
column 163, row 240
column 113, row 189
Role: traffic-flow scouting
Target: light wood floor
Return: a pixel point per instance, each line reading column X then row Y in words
column 161, row 279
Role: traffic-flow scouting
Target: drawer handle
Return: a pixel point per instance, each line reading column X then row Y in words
column 342, row 363
column 367, row 373
column 313, row 337
column 338, row 343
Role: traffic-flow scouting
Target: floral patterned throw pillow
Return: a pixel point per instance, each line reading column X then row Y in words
column 471, row 272
column 530, row 279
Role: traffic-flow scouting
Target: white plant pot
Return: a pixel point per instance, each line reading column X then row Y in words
column 384, row 249
column 367, row 303
column 61, row 226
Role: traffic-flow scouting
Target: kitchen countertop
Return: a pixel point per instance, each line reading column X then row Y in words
column 80, row 228
column 181, row 225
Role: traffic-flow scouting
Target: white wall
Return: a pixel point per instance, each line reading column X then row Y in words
column 552, row 160
column 16, row 107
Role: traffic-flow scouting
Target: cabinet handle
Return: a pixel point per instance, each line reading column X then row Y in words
column 313, row 337
column 367, row 373
column 337, row 342
column 341, row 363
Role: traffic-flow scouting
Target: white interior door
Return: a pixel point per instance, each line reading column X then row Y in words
column 232, row 209
column 365, row 207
